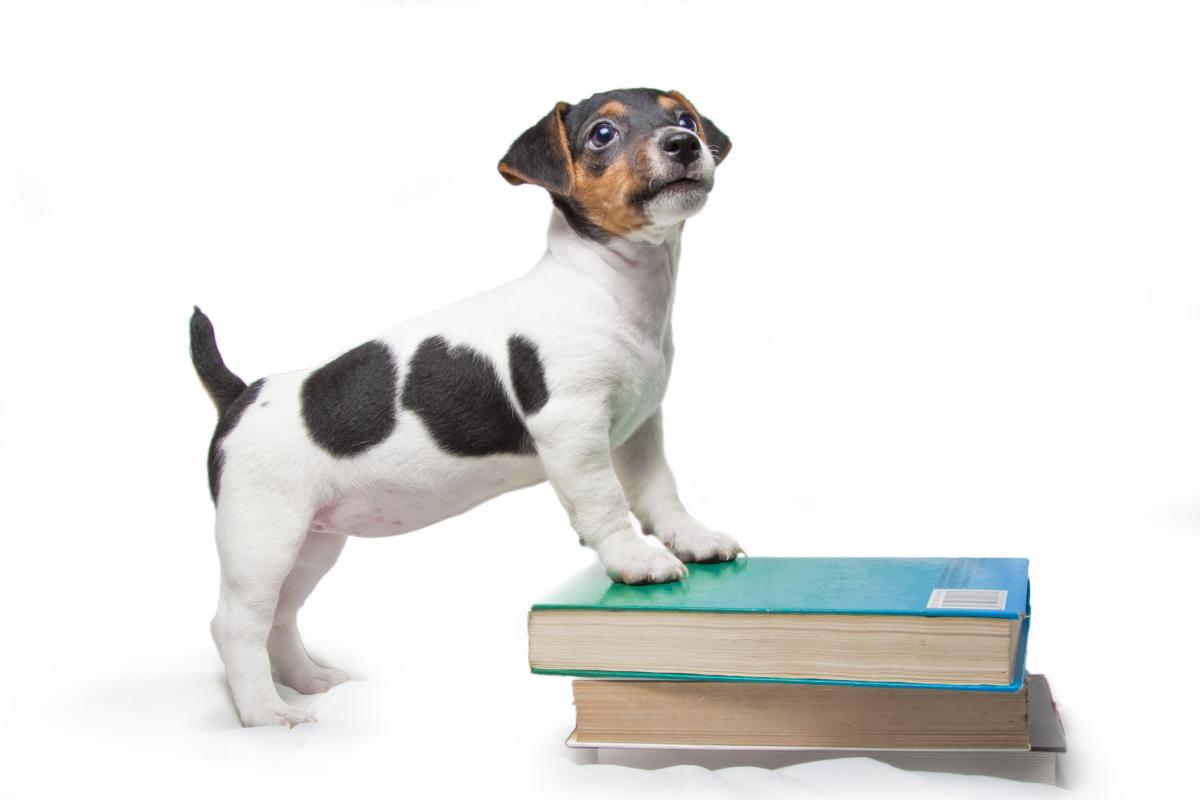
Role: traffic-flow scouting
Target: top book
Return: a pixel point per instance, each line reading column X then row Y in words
column 944, row 622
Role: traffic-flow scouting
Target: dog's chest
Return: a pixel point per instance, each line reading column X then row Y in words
column 642, row 386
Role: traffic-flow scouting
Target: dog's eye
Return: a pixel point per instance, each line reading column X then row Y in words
column 687, row 121
column 602, row 135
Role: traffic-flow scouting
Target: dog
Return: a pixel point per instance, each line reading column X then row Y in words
column 558, row 375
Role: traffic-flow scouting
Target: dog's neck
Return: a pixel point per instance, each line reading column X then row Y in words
column 638, row 272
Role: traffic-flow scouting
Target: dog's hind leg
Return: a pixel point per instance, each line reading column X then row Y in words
column 258, row 541
column 288, row 656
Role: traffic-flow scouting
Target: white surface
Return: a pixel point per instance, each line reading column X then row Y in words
column 945, row 300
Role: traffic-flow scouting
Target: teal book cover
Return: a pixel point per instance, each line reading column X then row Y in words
column 934, row 587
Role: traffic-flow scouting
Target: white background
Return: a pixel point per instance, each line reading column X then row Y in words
column 945, row 300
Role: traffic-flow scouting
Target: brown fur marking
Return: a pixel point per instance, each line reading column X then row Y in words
column 513, row 176
column 667, row 103
column 560, row 110
column 613, row 108
column 606, row 198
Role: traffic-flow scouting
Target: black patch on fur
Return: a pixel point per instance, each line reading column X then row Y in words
column 458, row 395
column 718, row 143
column 538, row 154
column 230, row 414
column 349, row 405
column 528, row 379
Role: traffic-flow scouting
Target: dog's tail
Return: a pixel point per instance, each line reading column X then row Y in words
column 222, row 385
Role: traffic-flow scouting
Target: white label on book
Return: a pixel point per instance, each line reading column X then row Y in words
column 977, row 599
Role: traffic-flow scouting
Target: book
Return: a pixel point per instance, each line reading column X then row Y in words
column 796, row 715
column 1036, row 762
column 940, row 622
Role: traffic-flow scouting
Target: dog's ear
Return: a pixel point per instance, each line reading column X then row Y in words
column 541, row 155
column 717, row 141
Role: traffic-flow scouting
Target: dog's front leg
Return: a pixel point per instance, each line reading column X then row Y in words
column 642, row 467
column 573, row 444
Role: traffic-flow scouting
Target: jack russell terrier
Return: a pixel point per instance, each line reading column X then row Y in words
column 558, row 375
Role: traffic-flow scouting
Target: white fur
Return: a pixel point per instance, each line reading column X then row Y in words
column 600, row 316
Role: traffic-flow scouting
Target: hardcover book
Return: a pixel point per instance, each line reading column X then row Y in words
column 726, row 713
column 1036, row 761
column 938, row 622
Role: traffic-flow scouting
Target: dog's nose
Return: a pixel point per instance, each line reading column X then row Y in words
column 681, row 146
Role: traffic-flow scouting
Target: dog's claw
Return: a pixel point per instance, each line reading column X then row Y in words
column 692, row 542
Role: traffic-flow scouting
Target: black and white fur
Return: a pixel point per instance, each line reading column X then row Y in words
column 558, row 375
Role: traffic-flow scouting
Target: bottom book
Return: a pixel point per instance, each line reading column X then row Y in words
column 1035, row 761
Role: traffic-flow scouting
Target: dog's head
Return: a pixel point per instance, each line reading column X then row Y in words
column 621, row 161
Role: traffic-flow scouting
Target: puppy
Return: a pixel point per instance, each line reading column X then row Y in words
column 558, row 375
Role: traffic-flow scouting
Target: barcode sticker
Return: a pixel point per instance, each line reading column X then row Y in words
column 978, row 599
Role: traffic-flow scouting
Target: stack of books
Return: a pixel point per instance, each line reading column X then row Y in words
column 916, row 662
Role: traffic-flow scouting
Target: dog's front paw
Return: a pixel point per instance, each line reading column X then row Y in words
column 694, row 543
column 636, row 559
